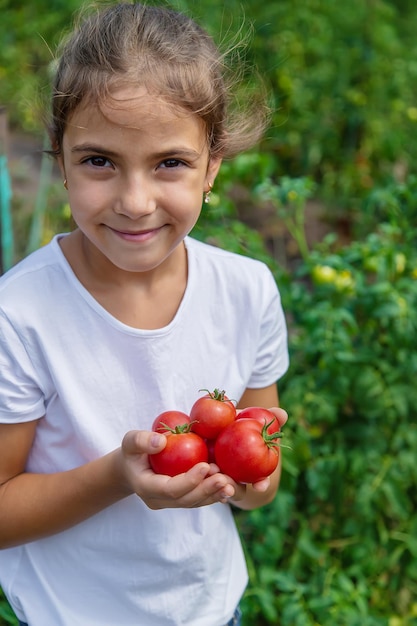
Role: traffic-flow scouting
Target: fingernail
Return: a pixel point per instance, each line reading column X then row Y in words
column 156, row 440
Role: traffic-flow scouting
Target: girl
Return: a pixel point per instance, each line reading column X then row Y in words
column 123, row 318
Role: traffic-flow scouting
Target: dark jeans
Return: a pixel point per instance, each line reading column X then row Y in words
column 235, row 621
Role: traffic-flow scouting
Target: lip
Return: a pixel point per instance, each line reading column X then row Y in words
column 136, row 236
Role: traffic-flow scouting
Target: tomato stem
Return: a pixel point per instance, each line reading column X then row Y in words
column 271, row 439
column 217, row 394
column 177, row 430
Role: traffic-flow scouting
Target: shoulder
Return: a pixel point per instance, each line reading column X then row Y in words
column 210, row 255
column 235, row 272
column 33, row 277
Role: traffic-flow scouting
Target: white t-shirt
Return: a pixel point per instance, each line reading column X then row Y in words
column 91, row 378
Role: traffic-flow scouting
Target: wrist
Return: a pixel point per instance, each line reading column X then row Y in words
column 118, row 474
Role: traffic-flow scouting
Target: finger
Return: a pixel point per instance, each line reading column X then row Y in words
column 197, row 487
column 183, row 484
column 214, row 469
column 143, row 442
column 280, row 414
column 239, row 492
column 261, row 485
column 171, row 488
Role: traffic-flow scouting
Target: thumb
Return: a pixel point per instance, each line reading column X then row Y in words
column 143, row 442
column 280, row 414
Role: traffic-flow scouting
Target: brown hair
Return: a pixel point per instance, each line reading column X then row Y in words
column 164, row 51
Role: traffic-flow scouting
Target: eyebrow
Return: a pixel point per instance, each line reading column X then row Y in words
column 178, row 151
column 88, row 147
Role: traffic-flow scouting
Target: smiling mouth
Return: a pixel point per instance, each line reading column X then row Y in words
column 142, row 235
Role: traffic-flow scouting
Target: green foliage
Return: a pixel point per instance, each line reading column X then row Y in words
column 29, row 32
column 7, row 617
column 339, row 543
column 343, row 113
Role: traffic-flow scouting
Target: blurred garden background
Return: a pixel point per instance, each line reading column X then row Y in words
column 329, row 201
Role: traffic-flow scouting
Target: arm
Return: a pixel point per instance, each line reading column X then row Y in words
column 36, row 505
column 33, row 506
column 249, row 497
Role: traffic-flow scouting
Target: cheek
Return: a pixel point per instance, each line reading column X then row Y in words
column 185, row 202
column 78, row 209
column 190, row 212
column 86, row 202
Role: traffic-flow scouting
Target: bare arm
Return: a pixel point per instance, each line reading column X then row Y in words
column 33, row 506
column 253, row 496
column 36, row 505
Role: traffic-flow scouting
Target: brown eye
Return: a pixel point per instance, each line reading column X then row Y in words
column 171, row 163
column 98, row 161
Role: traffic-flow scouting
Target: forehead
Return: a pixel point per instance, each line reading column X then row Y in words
column 135, row 109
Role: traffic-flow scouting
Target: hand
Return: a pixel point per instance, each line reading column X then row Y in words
column 201, row 485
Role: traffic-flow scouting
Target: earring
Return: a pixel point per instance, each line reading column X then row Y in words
column 65, row 183
column 208, row 194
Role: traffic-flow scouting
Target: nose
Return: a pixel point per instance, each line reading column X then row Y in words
column 136, row 197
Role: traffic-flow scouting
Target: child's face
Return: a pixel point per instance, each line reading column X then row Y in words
column 136, row 174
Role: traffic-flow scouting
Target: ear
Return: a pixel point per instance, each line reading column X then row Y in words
column 212, row 171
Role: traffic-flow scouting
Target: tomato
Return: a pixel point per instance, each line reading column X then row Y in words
column 182, row 452
column 211, row 414
column 246, row 452
column 169, row 420
column 210, row 447
column 323, row 274
column 263, row 416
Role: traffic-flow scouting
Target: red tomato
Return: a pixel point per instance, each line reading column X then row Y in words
column 211, row 413
column 170, row 420
column 263, row 416
column 210, row 447
column 245, row 452
column 182, row 452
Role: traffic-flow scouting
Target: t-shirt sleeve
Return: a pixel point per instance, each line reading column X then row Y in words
column 21, row 399
column 272, row 358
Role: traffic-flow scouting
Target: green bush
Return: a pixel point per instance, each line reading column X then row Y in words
column 338, row 546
